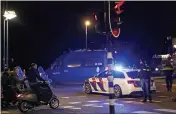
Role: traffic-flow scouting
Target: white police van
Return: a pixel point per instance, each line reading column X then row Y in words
column 126, row 82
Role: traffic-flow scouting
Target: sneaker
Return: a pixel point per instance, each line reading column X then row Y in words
column 150, row 101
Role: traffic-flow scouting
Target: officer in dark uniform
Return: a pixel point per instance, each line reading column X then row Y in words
column 168, row 71
column 145, row 78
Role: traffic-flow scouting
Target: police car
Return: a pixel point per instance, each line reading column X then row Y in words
column 126, row 82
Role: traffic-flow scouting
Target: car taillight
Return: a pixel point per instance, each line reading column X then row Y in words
column 132, row 82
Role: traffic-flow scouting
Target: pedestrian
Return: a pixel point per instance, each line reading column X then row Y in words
column 145, row 79
column 168, row 72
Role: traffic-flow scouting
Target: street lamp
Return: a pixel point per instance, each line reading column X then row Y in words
column 87, row 23
column 8, row 16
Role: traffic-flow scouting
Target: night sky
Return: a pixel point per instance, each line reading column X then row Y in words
column 43, row 30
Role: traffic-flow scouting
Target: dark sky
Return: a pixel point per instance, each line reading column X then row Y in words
column 42, row 30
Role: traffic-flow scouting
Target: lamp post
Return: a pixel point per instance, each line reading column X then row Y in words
column 8, row 16
column 87, row 23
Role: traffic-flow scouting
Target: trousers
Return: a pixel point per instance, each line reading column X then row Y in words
column 145, row 83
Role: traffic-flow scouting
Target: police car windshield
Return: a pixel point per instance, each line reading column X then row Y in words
column 133, row 74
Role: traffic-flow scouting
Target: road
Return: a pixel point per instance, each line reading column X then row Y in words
column 73, row 100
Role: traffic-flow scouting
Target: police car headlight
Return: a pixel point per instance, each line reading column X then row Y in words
column 156, row 69
column 118, row 68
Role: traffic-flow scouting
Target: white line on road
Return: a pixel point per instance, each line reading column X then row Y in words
column 117, row 104
column 81, row 96
column 128, row 101
column 166, row 110
column 172, row 85
column 89, row 105
column 98, row 106
column 163, row 96
column 4, row 112
column 153, row 101
column 65, row 97
column 95, row 101
column 76, row 108
column 67, row 106
column 128, row 98
column 144, row 112
column 74, row 102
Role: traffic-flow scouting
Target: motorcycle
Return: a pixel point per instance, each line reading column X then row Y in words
column 29, row 100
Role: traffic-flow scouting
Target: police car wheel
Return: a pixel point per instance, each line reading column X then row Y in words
column 87, row 88
column 117, row 91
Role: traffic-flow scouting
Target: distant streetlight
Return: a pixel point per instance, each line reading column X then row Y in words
column 8, row 16
column 87, row 23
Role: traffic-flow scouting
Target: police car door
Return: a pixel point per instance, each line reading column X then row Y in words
column 101, row 82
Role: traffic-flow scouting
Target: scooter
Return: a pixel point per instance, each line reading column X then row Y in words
column 13, row 102
column 28, row 100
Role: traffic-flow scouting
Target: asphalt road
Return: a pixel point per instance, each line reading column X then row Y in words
column 73, row 100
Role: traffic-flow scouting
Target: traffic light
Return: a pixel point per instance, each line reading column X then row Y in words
column 115, row 21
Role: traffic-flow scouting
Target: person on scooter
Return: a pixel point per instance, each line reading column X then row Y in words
column 14, row 80
column 5, row 84
column 32, row 77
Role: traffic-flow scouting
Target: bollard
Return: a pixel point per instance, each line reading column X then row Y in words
column 110, row 84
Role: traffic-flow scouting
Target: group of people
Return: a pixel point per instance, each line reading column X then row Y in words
column 10, row 82
column 145, row 77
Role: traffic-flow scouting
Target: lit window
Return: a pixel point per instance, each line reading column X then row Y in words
column 74, row 65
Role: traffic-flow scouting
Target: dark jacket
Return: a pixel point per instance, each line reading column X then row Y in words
column 14, row 80
column 145, row 72
column 168, row 70
column 5, row 79
column 33, row 75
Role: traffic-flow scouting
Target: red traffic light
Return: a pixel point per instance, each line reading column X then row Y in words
column 116, row 32
column 119, row 4
column 95, row 16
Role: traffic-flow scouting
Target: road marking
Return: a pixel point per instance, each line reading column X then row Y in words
column 95, row 101
column 172, row 85
column 98, row 106
column 89, row 105
column 166, row 110
column 67, row 106
column 65, row 97
column 163, row 96
column 153, row 101
column 156, row 101
column 5, row 112
column 145, row 112
column 128, row 101
column 81, row 96
column 128, row 98
column 74, row 102
column 76, row 108
column 117, row 104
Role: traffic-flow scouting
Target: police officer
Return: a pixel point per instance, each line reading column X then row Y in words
column 168, row 71
column 145, row 78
